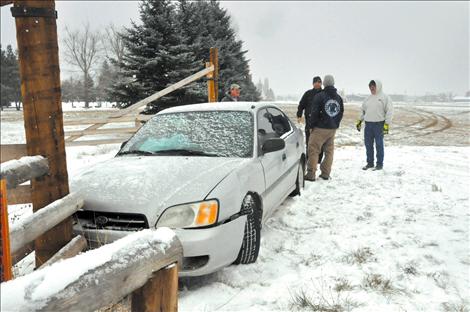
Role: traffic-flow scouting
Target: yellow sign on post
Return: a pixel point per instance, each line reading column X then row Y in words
column 5, row 255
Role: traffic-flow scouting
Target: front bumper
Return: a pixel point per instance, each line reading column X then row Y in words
column 219, row 244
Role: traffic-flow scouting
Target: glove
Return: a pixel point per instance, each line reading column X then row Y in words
column 358, row 125
column 386, row 128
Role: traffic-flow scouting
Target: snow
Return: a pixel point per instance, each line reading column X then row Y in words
column 391, row 240
column 408, row 223
column 32, row 291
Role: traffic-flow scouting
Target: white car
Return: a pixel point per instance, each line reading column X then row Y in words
column 212, row 172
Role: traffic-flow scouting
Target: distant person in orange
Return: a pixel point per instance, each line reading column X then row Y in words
column 233, row 95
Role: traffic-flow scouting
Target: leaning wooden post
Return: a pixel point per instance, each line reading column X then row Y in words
column 36, row 34
column 5, row 256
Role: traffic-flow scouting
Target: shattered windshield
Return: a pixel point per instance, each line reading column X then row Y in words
column 206, row 133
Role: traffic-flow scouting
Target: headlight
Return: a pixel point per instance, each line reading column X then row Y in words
column 190, row 215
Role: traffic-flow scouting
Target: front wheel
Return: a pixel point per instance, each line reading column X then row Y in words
column 300, row 182
column 252, row 234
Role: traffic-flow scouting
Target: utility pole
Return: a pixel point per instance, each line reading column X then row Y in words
column 36, row 33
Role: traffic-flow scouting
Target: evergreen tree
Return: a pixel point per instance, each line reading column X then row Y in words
column 10, row 78
column 158, row 56
column 106, row 78
column 207, row 25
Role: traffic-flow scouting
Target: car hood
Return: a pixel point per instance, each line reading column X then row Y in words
column 150, row 184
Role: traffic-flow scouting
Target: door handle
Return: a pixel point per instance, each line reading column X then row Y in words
column 284, row 157
column 297, row 145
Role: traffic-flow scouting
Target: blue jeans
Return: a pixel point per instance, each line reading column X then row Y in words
column 374, row 132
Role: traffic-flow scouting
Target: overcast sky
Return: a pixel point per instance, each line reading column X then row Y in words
column 414, row 47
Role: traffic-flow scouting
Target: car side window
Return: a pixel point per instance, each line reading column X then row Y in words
column 280, row 122
column 265, row 128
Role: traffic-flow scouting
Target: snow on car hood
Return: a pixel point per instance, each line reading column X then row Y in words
column 149, row 184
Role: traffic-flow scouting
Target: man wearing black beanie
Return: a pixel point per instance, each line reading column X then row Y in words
column 305, row 106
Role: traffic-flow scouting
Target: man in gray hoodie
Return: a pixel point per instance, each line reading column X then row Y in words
column 377, row 112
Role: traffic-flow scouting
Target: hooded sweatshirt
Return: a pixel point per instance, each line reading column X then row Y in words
column 327, row 109
column 377, row 107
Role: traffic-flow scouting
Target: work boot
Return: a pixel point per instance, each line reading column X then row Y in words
column 310, row 176
column 368, row 166
column 324, row 177
column 378, row 167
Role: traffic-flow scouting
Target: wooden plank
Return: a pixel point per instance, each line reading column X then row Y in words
column 28, row 229
column 100, row 131
column 160, row 293
column 73, row 248
column 5, row 255
column 43, row 118
column 98, row 142
column 113, row 271
column 142, row 103
column 12, row 151
column 22, row 194
column 26, row 168
column 84, row 121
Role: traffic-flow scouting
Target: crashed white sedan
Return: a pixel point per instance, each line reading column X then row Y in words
column 212, row 172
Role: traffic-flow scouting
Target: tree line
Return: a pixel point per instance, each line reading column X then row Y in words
column 170, row 42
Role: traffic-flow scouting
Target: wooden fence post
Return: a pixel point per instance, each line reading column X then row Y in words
column 213, row 76
column 210, row 85
column 5, row 255
column 160, row 293
column 214, row 59
column 36, row 34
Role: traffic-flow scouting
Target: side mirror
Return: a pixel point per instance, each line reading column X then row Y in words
column 272, row 145
column 123, row 143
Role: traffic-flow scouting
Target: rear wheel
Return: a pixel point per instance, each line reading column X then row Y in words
column 252, row 235
column 300, row 182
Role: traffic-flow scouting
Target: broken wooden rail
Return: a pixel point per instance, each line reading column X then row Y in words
column 23, row 233
column 142, row 264
column 33, row 226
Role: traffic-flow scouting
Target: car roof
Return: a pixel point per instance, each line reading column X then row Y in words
column 218, row 106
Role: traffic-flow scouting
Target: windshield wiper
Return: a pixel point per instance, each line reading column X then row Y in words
column 136, row 152
column 186, row 152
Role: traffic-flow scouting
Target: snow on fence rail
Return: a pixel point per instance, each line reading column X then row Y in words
column 24, row 169
column 33, row 226
column 141, row 264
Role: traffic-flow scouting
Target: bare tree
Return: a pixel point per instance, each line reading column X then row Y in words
column 82, row 48
column 113, row 43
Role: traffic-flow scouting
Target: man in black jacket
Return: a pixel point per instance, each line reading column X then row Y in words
column 327, row 112
column 305, row 106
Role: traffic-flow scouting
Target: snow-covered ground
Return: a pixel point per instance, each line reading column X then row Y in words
column 392, row 240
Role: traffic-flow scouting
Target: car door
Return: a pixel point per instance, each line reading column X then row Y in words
column 274, row 164
column 291, row 151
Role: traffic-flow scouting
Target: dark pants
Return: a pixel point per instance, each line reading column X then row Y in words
column 374, row 132
column 307, row 137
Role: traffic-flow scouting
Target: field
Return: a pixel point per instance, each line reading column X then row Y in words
column 394, row 240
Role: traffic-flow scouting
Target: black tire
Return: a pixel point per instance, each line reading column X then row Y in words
column 252, row 236
column 300, row 182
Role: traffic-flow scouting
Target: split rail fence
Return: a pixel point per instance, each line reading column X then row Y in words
column 143, row 265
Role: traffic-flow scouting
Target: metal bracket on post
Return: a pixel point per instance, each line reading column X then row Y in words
column 22, row 11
